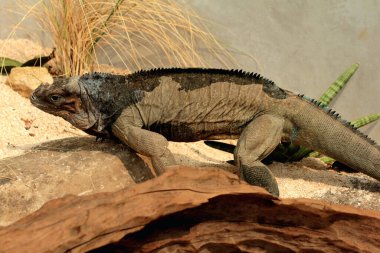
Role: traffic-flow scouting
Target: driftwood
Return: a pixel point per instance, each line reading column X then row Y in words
column 192, row 210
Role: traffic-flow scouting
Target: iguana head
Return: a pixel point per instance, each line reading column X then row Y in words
column 66, row 98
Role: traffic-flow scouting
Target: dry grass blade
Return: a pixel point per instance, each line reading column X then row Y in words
column 128, row 34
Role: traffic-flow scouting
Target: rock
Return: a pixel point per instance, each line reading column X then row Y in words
column 192, row 210
column 53, row 169
column 25, row 79
column 82, row 166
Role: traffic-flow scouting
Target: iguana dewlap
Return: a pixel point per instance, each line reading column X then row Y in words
column 146, row 109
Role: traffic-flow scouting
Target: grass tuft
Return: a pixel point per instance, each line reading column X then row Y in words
column 130, row 34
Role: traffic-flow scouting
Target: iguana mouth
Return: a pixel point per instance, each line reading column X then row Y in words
column 34, row 100
column 36, row 103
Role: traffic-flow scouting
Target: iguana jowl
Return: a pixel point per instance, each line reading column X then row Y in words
column 147, row 108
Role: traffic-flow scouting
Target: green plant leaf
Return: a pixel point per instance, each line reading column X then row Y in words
column 114, row 9
column 338, row 85
column 365, row 120
column 327, row 160
column 6, row 64
column 299, row 154
column 38, row 61
column 105, row 23
column 4, row 61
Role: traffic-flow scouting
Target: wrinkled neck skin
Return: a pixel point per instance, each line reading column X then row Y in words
column 99, row 108
column 84, row 117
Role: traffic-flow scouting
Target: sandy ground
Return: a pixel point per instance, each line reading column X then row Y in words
column 22, row 125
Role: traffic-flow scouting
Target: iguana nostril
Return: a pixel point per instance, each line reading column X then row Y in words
column 32, row 97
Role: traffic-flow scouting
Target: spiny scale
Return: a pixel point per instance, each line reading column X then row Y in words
column 234, row 72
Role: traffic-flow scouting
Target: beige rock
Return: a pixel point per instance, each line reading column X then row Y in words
column 192, row 210
column 53, row 169
column 25, row 79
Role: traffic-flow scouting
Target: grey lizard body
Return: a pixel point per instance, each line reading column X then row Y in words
column 147, row 108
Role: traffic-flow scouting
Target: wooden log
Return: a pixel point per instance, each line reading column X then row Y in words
column 192, row 210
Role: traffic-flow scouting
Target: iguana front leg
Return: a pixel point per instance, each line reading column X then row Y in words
column 258, row 140
column 145, row 142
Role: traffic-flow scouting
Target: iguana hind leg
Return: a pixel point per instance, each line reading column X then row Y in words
column 258, row 140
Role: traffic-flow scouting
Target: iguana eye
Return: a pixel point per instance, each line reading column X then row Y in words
column 55, row 98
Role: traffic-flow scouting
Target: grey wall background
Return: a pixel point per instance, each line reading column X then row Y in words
column 304, row 45
column 301, row 45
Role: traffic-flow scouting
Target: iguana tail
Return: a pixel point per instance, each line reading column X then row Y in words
column 321, row 129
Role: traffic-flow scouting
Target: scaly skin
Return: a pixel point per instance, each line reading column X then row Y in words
column 339, row 140
column 148, row 108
